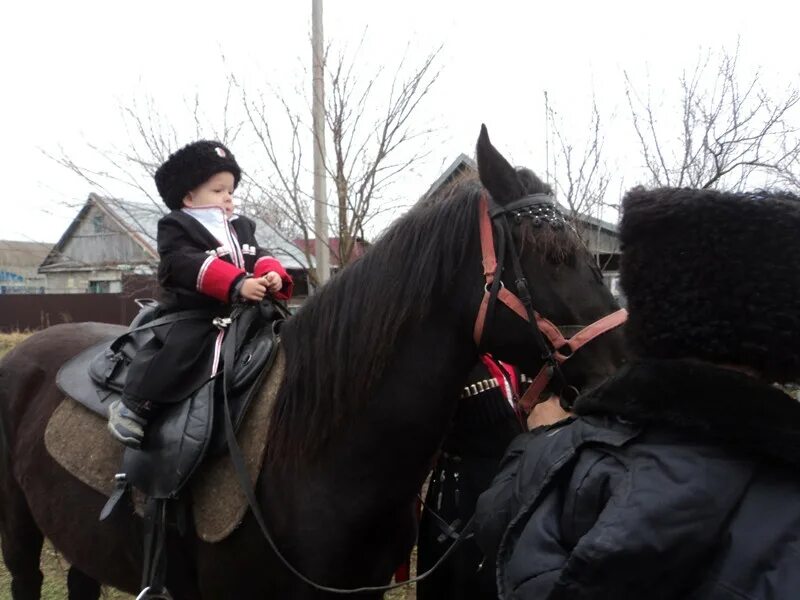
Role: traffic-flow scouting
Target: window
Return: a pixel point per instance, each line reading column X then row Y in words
column 9, row 276
column 99, row 287
column 98, row 223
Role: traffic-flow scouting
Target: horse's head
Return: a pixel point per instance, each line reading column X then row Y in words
column 543, row 277
column 397, row 322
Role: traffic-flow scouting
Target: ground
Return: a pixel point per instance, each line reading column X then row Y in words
column 9, row 340
column 55, row 568
column 55, row 579
column 55, row 582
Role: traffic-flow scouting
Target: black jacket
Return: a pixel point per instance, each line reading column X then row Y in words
column 196, row 272
column 677, row 480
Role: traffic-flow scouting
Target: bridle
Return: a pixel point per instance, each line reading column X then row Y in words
column 540, row 208
column 554, row 347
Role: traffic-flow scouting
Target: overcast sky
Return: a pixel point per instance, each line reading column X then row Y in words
column 66, row 68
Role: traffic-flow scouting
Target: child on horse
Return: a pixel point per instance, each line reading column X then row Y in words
column 210, row 259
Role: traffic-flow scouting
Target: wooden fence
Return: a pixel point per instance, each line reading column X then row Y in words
column 31, row 312
column 21, row 312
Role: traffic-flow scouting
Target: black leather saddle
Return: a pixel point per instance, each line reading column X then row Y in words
column 180, row 436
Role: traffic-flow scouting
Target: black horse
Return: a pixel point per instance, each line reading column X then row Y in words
column 375, row 362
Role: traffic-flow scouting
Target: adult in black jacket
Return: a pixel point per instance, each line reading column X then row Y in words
column 680, row 476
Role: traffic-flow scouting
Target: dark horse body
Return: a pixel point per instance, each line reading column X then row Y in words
column 357, row 420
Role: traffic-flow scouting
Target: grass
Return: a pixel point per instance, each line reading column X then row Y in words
column 9, row 340
column 55, row 568
column 408, row 592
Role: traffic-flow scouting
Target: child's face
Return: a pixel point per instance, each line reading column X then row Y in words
column 216, row 191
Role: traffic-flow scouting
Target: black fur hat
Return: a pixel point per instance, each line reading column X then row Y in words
column 714, row 276
column 191, row 166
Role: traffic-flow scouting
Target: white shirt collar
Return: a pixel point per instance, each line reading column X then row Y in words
column 215, row 221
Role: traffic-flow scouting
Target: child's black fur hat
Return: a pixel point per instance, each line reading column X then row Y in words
column 191, row 166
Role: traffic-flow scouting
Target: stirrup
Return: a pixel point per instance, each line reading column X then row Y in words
column 147, row 594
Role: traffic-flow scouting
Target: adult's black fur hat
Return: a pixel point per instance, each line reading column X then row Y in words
column 714, row 276
column 191, row 166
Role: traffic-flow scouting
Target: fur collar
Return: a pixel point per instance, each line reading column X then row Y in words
column 720, row 404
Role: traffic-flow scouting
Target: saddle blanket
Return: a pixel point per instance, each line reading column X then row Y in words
column 218, row 504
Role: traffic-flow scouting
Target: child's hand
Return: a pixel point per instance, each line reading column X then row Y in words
column 254, row 288
column 274, row 282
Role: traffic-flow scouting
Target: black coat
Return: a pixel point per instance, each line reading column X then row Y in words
column 195, row 273
column 678, row 480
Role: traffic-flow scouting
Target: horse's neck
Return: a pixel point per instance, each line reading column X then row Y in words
column 387, row 449
column 416, row 398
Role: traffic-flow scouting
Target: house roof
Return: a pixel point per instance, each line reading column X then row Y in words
column 140, row 221
column 595, row 222
column 464, row 163
column 461, row 164
column 137, row 219
column 23, row 254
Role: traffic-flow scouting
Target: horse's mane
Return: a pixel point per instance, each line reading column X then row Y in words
column 340, row 341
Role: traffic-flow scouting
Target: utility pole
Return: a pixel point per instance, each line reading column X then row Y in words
column 321, row 228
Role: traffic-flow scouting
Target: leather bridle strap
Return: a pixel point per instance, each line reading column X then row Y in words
column 583, row 337
column 493, row 218
column 490, row 273
column 531, row 397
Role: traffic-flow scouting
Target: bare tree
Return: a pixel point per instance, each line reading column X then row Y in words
column 152, row 136
column 372, row 140
column 581, row 179
column 789, row 178
column 580, row 175
column 731, row 130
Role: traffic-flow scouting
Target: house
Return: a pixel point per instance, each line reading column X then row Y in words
column 600, row 237
column 108, row 241
column 110, row 247
column 19, row 264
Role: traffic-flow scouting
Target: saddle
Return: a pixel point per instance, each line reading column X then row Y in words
column 184, row 433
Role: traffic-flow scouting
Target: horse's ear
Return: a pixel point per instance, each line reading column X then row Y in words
column 496, row 174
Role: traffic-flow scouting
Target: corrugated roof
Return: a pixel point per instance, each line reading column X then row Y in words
column 459, row 165
column 138, row 218
column 22, row 254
